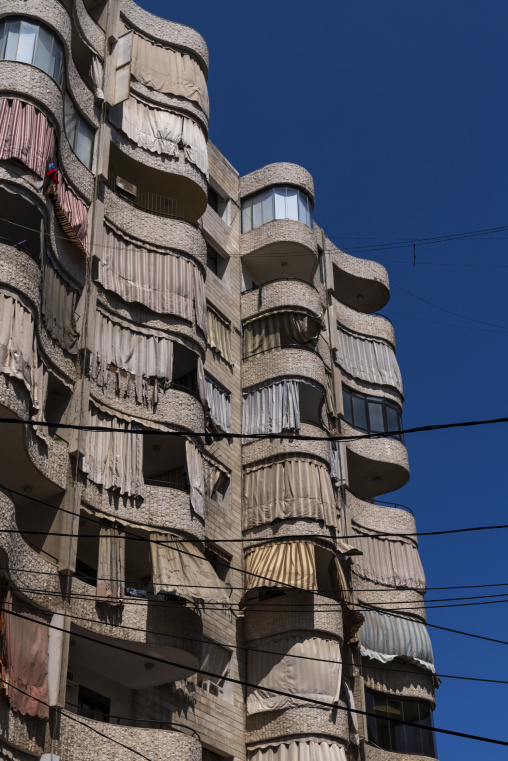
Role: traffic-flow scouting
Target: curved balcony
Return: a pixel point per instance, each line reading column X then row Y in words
column 164, row 31
column 375, row 466
column 78, row 743
column 402, row 601
column 360, row 284
column 399, row 679
column 174, row 233
column 379, row 518
column 90, row 31
column 281, row 173
column 374, row 753
column 26, row 733
column 263, row 449
column 374, row 325
column 307, row 720
column 289, row 527
column 283, row 363
column 280, row 248
column 284, row 292
column 26, row 80
column 294, row 611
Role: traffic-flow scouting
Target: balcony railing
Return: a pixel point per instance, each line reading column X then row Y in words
column 381, row 502
column 164, row 206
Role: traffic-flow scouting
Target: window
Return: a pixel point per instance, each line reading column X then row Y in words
column 29, row 42
column 371, row 414
column 219, row 203
column 79, row 133
column 276, row 203
column 92, row 705
column 390, row 735
column 216, row 262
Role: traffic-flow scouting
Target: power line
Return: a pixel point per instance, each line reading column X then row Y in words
column 449, row 324
column 429, row 240
column 250, row 685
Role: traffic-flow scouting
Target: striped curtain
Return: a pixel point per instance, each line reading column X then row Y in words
column 386, row 637
column 72, row 214
column 281, row 564
column 331, row 407
column 114, row 459
column 26, row 134
column 58, row 306
column 300, row 750
column 296, row 488
column 277, row 329
column 219, row 336
column 219, row 404
column 306, row 668
column 165, row 283
column 367, row 359
column 272, row 409
column 216, row 659
column 143, row 355
column 390, row 562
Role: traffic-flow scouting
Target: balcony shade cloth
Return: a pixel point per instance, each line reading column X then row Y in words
column 196, row 478
column 353, row 716
column 385, row 637
column 180, row 568
column 17, row 341
column 300, row 750
column 72, row 214
column 272, row 409
column 331, row 407
column 162, row 132
column 140, row 353
column 111, row 566
column 278, row 330
column 215, row 476
column 168, row 71
column 338, row 463
column 96, row 75
column 282, row 564
column 166, row 283
column 395, row 563
column 368, row 359
column 26, row 658
column 216, row 660
column 219, row 336
column 59, row 306
column 219, row 404
column 296, row 488
column 302, row 677
column 114, row 459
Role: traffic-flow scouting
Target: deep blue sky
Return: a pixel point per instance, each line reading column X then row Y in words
column 399, row 111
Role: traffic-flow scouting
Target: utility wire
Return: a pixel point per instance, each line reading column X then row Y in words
column 250, row 685
column 429, row 240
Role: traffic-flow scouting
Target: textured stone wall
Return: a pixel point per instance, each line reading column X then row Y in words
column 282, row 293
column 282, row 173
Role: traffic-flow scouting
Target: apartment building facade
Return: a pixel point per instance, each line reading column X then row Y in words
column 193, row 567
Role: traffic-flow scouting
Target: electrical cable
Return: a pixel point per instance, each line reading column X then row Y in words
column 429, row 240
column 250, row 685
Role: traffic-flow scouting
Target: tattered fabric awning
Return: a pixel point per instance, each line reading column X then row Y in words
column 286, row 327
column 272, row 408
column 385, row 637
column 299, row 750
column 388, row 560
column 367, row 358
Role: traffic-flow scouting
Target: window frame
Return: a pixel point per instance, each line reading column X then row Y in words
column 256, row 206
column 56, row 55
column 400, row 738
column 349, row 394
column 72, row 112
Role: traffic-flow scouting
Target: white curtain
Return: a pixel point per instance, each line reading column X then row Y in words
column 114, row 459
column 196, row 478
column 307, row 676
column 160, row 131
column 299, row 750
column 59, row 309
column 143, row 355
column 272, row 409
column 368, row 359
column 219, row 404
column 96, row 73
column 16, row 338
column 216, row 660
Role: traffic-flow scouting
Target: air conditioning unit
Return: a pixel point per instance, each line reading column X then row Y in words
column 127, row 187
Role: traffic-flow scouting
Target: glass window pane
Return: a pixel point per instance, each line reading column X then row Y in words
column 84, row 143
column 376, row 421
column 392, row 419
column 302, row 207
column 267, row 203
column 70, row 121
column 309, row 212
column 257, row 216
column 359, row 413
column 292, row 204
column 247, row 215
column 10, row 40
column 348, row 408
column 43, row 50
column 26, row 44
column 280, row 202
column 57, row 62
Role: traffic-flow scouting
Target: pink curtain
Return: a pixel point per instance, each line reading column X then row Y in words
column 74, row 210
column 26, row 655
column 26, row 135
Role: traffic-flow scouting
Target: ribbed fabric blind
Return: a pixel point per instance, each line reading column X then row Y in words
column 26, row 134
column 219, row 336
column 180, row 568
column 114, row 459
column 165, row 283
column 219, row 404
column 307, row 676
column 368, row 359
column 385, row 561
column 277, row 329
column 72, row 214
column 59, row 309
column 143, row 355
column 272, row 409
column 168, row 71
column 111, row 565
column 160, row 131
column 296, row 488
column 281, row 564
column 386, row 637
column 300, row 750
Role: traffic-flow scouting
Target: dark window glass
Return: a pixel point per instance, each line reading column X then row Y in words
column 393, row 421
column 213, row 198
column 92, row 705
column 359, row 413
column 371, row 414
column 376, row 418
column 348, row 408
column 211, row 259
column 385, row 731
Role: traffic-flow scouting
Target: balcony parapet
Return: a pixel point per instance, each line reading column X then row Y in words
column 402, row 601
column 400, row 679
column 263, row 449
column 91, row 32
column 283, row 234
column 289, row 527
column 375, row 466
column 279, row 293
column 373, row 753
column 362, row 284
column 295, row 611
column 281, row 173
column 280, row 363
column 373, row 325
column 380, row 518
column 297, row 722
